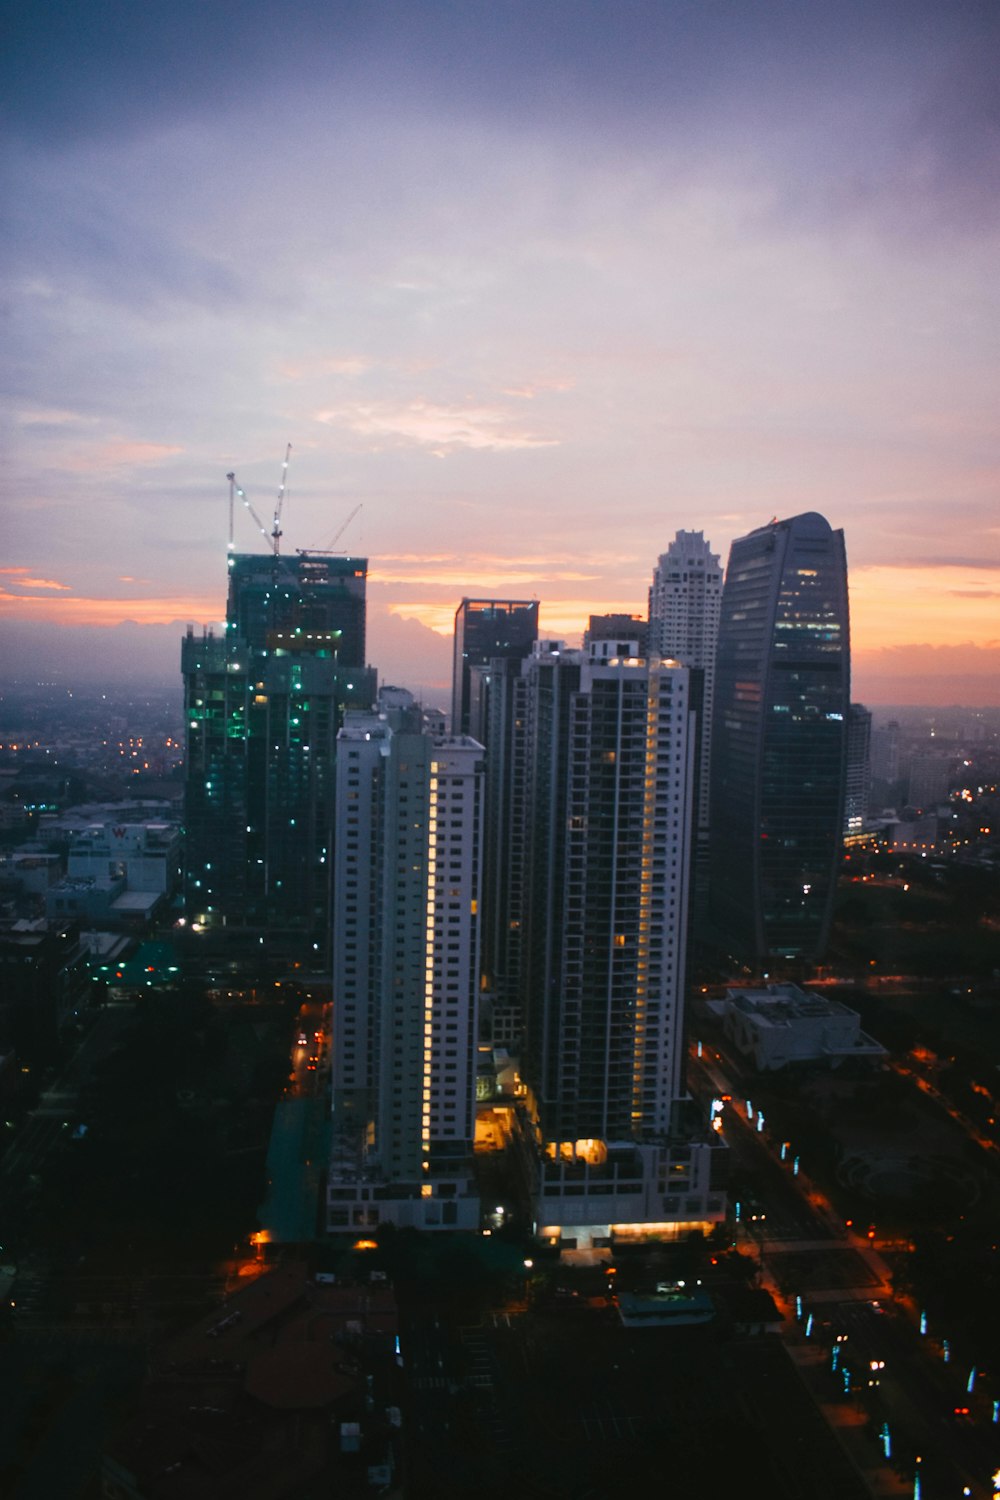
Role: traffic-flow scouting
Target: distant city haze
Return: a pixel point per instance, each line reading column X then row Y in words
column 411, row 655
column 527, row 291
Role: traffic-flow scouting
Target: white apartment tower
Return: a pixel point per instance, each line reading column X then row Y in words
column 685, row 601
column 408, row 834
column 605, row 745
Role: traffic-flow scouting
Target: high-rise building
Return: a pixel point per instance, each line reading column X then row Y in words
column 409, row 814
column 602, row 746
column 927, row 784
column 858, row 777
column 685, row 600
column 310, row 592
column 487, row 630
column 263, row 703
column 496, row 696
column 885, row 752
column 779, row 740
column 617, row 627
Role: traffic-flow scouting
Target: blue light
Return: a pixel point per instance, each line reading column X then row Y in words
column 970, row 1384
column 749, row 1110
column 886, row 1440
column 798, row 1306
column 784, row 1149
column 945, row 1350
column 809, row 1326
column 923, row 1322
column 795, row 1167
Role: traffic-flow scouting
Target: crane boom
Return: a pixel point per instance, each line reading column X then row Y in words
column 235, row 490
column 337, row 534
column 274, row 535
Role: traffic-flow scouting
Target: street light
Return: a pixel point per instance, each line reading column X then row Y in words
column 757, row 1234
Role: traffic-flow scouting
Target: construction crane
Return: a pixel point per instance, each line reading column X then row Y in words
column 329, row 551
column 274, row 535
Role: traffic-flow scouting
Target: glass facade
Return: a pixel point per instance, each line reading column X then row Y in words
column 487, row 630
column 263, row 704
column 780, row 739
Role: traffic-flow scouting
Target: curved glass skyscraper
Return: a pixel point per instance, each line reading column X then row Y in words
column 780, row 739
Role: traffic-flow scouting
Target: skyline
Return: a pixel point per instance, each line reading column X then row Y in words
column 535, row 289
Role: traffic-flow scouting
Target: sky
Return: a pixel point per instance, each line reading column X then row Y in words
column 527, row 287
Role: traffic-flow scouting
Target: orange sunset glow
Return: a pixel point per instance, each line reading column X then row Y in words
column 524, row 300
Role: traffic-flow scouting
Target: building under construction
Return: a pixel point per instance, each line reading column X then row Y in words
column 264, row 702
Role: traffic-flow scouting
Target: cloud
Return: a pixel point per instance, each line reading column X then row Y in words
column 986, row 563
column 409, row 652
column 929, row 674
column 311, row 367
column 438, row 427
column 479, row 576
column 585, row 255
column 119, row 453
column 556, row 385
column 889, row 605
column 21, row 579
column 565, row 618
column 80, row 610
column 51, row 417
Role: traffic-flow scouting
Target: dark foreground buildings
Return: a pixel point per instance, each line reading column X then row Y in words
column 780, row 740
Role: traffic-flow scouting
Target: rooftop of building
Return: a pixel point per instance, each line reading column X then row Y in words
column 251, row 1401
column 88, row 883
column 783, row 1004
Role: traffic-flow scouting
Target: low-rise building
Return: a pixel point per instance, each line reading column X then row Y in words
column 146, row 855
column 784, row 1024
